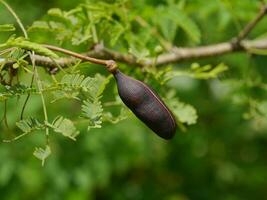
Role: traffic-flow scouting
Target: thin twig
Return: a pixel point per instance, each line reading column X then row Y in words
column 77, row 55
column 26, row 100
column 26, row 36
column 6, row 51
column 176, row 54
column 110, row 64
column 35, row 75
column 40, row 89
column 16, row 17
column 16, row 138
column 251, row 25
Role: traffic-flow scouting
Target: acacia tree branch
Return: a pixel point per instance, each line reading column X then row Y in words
column 177, row 55
column 111, row 65
column 184, row 54
column 238, row 44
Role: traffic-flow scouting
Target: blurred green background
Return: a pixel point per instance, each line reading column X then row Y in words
column 223, row 156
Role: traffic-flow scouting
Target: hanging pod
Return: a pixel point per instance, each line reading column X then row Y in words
column 146, row 105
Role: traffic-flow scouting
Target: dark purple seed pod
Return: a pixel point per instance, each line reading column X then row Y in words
column 146, row 105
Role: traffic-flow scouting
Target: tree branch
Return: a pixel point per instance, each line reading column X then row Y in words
column 250, row 26
column 176, row 55
column 184, row 54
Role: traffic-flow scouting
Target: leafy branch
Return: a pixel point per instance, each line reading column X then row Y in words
column 175, row 55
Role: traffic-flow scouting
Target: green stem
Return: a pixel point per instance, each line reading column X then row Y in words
column 16, row 17
column 16, row 138
column 40, row 88
column 26, row 100
column 36, row 75
column 94, row 33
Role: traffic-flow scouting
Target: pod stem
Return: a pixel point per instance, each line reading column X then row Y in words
column 111, row 65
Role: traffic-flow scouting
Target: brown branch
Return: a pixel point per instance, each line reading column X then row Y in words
column 111, row 65
column 250, row 26
column 184, row 54
column 176, row 55
column 237, row 44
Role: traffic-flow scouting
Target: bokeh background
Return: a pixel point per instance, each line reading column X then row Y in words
column 223, row 156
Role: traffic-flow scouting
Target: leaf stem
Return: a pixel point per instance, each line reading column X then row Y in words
column 40, row 88
column 16, row 138
column 16, row 17
column 36, row 75
column 251, row 25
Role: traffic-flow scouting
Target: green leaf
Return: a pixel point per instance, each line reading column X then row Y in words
column 167, row 25
column 42, row 154
column 187, row 24
column 101, row 82
column 65, row 127
column 197, row 72
column 262, row 108
column 39, row 25
column 15, row 91
column 118, row 30
column 77, row 81
column 183, row 112
column 7, row 28
column 29, row 125
column 255, row 51
column 71, row 85
column 92, row 111
column 108, row 116
column 173, row 18
column 85, row 23
column 55, row 12
column 25, row 44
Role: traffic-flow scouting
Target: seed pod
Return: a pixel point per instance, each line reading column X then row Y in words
column 146, row 105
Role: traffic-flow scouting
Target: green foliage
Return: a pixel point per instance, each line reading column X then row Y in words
column 108, row 116
column 71, row 85
column 7, row 28
column 42, row 154
column 184, row 113
column 18, row 90
column 93, row 112
column 77, row 81
column 20, row 42
column 174, row 17
column 85, row 23
column 195, row 71
column 65, row 127
column 29, row 125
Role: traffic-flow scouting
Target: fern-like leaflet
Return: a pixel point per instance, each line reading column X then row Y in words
column 93, row 112
column 29, row 125
column 65, row 127
column 16, row 91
